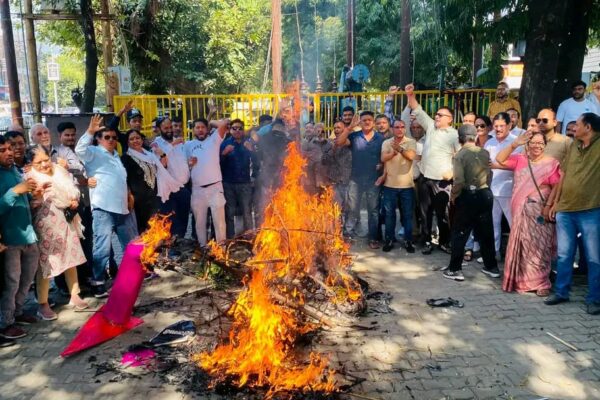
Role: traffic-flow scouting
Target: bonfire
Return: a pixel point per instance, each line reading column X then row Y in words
column 298, row 246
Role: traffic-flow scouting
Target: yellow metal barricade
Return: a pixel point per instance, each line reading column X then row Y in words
column 323, row 107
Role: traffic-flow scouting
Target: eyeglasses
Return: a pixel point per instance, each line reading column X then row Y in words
column 540, row 120
column 110, row 137
column 537, row 143
column 443, row 115
column 237, row 128
column 480, row 126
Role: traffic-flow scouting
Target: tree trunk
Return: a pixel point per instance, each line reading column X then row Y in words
column 477, row 50
column 14, row 94
column 91, row 56
column 350, row 33
column 571, row 54
column 405, row 64
column 546, row 35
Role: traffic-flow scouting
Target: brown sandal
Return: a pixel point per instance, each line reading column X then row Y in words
column 542, row 293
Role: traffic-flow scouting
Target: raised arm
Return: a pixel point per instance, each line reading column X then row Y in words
column 342, row 139
column 422, row 118
column 82, row 149
column 507, row 151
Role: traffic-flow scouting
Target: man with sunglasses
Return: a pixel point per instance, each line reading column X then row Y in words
column 570, row 109
column 109, row 199
column 237, row 157
column 503, row 102
column 440, row 146
column 557, row 145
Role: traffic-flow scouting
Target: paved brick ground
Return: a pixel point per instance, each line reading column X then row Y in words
column 496, row 347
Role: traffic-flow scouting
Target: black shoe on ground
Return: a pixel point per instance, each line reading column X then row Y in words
column 4, row 342
column 593, row 309
column 493, row 272
column 454, row 275
column 25, row 319
column 388, row 245
column 427, row 249
column 553, row 299
column 99, row 291
column 409, row 247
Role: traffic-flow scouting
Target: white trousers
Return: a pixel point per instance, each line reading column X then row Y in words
column 202, row 199
column 501, row 206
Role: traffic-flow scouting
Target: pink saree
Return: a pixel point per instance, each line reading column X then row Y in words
column 530, row 244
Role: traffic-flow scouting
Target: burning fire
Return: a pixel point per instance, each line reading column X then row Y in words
column 159, row 231
column 300, row 239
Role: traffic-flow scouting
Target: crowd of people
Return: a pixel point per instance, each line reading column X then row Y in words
column 62, row 204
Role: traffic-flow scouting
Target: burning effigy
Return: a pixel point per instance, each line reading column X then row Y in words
column 298, row 255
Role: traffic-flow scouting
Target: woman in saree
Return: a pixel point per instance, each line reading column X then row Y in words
column 59, row 229
column 532, row 239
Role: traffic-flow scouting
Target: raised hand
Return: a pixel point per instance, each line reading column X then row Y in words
column 228, row 149
column 355, row 122
column 95, row 124
column 523, row 138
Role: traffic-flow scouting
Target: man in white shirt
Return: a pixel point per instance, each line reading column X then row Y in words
column 177, row 165
column 502, row 179
column 441, row 143
column 515, row 117
column 207, row 189
column 571, row 109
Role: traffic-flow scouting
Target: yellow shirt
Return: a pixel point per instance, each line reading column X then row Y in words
column 399, row 173
column 497, row 106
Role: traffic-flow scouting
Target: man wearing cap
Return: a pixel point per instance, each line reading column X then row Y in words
column 473, row 201
column 134, row 121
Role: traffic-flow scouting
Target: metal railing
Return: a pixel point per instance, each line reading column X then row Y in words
column 320, row 107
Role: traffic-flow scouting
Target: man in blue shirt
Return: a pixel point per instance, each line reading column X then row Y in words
column 366, row 169
column 237, row 157
column 109, row 199
column 21, row 254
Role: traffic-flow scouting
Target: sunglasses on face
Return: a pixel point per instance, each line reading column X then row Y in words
column 542, row 120
column 480, row 126
column 109, row 137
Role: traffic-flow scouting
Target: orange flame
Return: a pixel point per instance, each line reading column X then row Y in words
column 159, row 230
column 301, row 235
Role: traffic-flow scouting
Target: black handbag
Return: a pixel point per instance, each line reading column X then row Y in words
column 69, row 214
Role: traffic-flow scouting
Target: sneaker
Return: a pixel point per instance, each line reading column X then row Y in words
column 6, row 342
column 427, row 249
column 593, row 309
column 25, row 319
column 494, row 272
column 454, row 275
column 554, row 299
column 409, row 247
column 99, row 291
column 388, row 245
column 47, row 315
column 12, row 332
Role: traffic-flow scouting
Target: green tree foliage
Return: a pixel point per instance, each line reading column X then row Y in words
column 195, row 46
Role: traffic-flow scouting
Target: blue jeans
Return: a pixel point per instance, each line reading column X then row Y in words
column 103, row 225
column 406, row 198
column 179, row 205
column 568, row 225
column 355, row 193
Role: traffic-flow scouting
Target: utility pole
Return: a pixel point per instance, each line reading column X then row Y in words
column 107, row 56
column 276, row 43
column 32, row 64
column 11, row 63
column 350, row 34
column 405, row 64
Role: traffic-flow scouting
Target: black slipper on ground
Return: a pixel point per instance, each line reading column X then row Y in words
column 445, row 302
